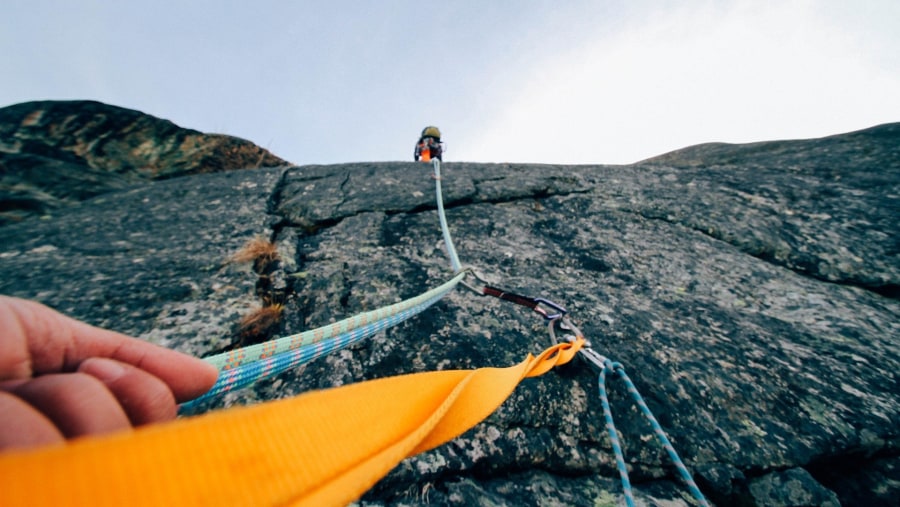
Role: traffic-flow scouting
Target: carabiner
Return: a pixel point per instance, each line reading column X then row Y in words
column 471, row 271
column 560, row 311
column 593, row 357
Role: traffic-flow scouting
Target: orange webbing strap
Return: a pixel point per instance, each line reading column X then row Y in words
column 321, row 448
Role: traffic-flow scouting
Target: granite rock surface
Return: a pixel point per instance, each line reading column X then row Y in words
column 750, row 291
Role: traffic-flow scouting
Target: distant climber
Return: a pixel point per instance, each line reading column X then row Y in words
column 429, row 145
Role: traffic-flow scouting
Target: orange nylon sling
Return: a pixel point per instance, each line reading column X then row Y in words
column 320, row 448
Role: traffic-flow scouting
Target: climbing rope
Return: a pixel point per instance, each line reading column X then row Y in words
column 445, row 230
column 247, row 365
column 235, row 358
column 607, row 367
column 242, row 367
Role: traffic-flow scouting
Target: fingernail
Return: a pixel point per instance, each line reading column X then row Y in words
column 106, row 370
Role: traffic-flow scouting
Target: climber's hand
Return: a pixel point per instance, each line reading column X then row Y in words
column 61, row 378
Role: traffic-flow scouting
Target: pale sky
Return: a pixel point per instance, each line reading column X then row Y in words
column 603, row 81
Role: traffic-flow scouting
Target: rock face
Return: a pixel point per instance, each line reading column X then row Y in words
column 57, row 153
column 750, row 291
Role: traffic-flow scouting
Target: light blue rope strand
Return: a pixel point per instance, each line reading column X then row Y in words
column 246, row 374
column 616, row 367
column 614, row 440
column 451, row 250
column 251, row 353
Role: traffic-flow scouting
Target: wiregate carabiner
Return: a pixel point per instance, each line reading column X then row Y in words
column 593, row 357
column 471, row 271
column 560, row 311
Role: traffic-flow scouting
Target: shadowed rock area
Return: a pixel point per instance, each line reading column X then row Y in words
column 54, row 154
column 749, row 290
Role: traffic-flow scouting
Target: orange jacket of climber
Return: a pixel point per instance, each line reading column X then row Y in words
column 429, row 145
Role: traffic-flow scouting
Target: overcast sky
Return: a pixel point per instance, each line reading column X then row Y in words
column 602, row 81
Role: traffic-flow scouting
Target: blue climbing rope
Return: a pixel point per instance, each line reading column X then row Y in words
column 242, row 367
column 614, row 441
column 609, row 368
column 252, row 372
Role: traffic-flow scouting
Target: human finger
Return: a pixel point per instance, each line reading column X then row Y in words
column 144, row 398
column 15, row 361
column 187, row 377
column 41, row 340
column 24, row 426
column 77, row 404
